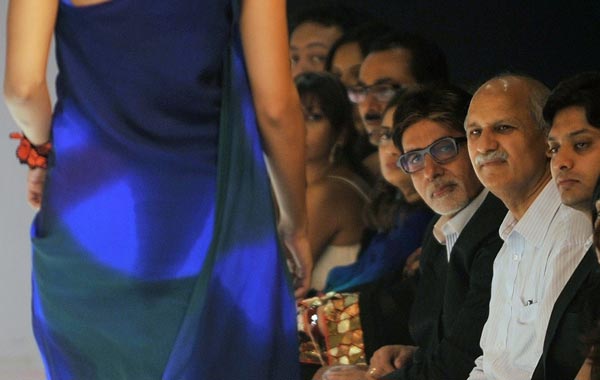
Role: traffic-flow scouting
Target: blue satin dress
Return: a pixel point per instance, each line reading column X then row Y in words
column 155, row 254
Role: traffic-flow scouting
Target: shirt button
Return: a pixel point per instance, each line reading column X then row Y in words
column 516, row 257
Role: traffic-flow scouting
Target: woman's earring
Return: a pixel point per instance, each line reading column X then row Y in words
column 334, row 152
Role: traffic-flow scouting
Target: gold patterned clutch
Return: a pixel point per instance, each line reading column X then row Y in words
column 329, row 330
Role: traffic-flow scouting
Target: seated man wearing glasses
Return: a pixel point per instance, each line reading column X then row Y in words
column 394, row 61
column 459, row 247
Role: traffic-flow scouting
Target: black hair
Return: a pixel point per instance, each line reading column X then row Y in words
column 327, row 14
column 363, row 34
column 331, row 95
column 581, row 90
column 595, row 198
column 447, row 105
column 428, row 61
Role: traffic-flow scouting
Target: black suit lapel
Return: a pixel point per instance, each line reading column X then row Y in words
column 587, row 265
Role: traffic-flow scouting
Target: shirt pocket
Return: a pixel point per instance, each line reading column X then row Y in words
column 528, row 313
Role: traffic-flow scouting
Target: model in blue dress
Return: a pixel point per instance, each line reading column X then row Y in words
column 155, row 252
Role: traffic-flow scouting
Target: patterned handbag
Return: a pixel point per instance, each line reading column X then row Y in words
column 329, row 330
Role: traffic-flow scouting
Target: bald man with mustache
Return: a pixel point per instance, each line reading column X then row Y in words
column 544, row 240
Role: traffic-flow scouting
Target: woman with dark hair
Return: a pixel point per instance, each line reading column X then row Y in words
column 336, row 192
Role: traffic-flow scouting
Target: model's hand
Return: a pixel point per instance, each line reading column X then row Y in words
column 299, row 261
column 389, row 358
column 36, row 179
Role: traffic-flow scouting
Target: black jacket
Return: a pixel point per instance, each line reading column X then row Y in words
column 452, row 298
column 574, row 314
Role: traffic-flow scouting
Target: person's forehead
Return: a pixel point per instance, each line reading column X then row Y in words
column 349, row 51
column 312, row 34
column 391, row 65
column 492, row 106
column 421, row 134
column 569, row 119
column 565, row 132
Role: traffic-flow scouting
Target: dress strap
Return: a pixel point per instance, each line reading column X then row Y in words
column 359, row 188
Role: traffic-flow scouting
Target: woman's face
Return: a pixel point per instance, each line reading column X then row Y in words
column 388, row 156
column 319, row 134
column 345, row 64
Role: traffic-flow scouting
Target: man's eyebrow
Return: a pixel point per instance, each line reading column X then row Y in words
column 583, row 131
column 509, row 121
column 317, row 44
column 384, row 80
column 471, row 125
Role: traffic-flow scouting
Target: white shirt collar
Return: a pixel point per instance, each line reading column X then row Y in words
column 453, row 226
column 533, row 226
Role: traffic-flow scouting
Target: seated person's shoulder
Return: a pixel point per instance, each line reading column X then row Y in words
column 343, row 187
column 572, row 224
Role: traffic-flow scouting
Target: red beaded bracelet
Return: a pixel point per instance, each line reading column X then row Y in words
column 35, row 156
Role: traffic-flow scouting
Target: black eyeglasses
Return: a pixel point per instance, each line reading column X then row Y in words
column 441, row 151
column 383, row 92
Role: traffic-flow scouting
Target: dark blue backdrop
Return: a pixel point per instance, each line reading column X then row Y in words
column 547, row 39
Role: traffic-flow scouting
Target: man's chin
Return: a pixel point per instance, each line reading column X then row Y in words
column 577, row 203
column 449, row 209
column 371, row 125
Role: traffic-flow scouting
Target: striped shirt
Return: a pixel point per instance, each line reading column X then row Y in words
column 539, row 255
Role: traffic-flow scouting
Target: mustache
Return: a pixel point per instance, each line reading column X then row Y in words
column 437, row 184
column 372, row 116
column 484, row 158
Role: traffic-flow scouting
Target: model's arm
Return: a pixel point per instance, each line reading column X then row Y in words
column 29, row 33
column 264, row 37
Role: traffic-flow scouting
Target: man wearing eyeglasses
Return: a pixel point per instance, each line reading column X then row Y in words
column 544, row 240
column 394, row 61
column 453, row 291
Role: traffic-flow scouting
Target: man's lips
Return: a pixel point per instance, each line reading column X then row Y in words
column 440, row 191
column 492, row 162
column 566, row 182
column 373, row 122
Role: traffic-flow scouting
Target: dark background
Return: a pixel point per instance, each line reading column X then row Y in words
column 549, row 40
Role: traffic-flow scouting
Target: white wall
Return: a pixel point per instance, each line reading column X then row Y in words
column 19, row 359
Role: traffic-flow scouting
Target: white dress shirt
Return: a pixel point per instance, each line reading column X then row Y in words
column 539, row 255
column 447, row 229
